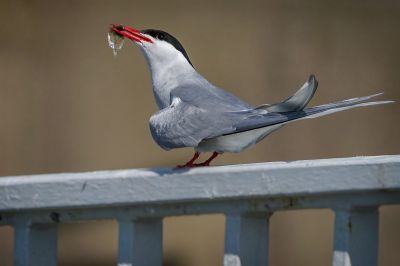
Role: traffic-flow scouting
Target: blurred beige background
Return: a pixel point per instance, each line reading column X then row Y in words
column 66, row 104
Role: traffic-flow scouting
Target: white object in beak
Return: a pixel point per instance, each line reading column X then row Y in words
column 115, row 42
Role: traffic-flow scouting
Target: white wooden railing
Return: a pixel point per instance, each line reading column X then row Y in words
column 248, row 195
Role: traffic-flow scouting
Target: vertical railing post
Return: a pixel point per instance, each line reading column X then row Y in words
column 356, row 237
column 140, row 242
column 35, row 243
column 246, row 240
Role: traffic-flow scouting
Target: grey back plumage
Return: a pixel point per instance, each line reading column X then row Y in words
column 201, row 93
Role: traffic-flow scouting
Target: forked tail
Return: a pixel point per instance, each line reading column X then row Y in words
column 331, row 108
column 281, row 118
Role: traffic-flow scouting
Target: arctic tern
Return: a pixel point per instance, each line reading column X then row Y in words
column 195, row 113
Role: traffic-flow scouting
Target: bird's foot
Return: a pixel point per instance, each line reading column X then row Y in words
column 201, row 164
column 190, row 163
column 186, row 165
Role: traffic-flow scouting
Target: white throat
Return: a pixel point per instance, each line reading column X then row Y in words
column 168, row 68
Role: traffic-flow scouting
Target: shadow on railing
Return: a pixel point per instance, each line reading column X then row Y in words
column 248, row 195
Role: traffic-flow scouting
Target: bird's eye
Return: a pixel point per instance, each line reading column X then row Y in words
column 160, row 36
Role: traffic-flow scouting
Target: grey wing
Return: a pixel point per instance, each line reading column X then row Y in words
column 209, row 97
column 185, row 125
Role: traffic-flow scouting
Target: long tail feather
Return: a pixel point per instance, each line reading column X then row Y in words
column 331, row 108
column 282, row 118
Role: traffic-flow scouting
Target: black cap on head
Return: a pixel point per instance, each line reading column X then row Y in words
column 165, row 36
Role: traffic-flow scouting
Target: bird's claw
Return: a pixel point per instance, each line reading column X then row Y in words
column 192, row 165
column 180, row 166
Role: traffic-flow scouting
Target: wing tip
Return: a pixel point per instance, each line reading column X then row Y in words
column 313, row 80
column 311, row 77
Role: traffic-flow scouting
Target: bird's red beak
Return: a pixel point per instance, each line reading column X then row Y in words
column 130, row 33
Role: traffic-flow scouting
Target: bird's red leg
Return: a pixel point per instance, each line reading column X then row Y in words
column 207, row 162
column 190, row 163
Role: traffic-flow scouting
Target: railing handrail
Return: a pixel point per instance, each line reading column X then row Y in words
column 165, row 186
column 247, row 195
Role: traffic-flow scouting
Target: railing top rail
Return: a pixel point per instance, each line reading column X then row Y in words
column 163, row 186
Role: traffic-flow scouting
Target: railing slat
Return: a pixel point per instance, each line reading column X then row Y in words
column 356, row 237
column 35, row 244
column 246, row 240
column 140, row 242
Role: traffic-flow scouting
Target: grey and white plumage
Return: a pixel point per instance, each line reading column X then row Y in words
column 195, row 113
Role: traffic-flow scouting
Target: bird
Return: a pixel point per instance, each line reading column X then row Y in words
column 195, row 113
